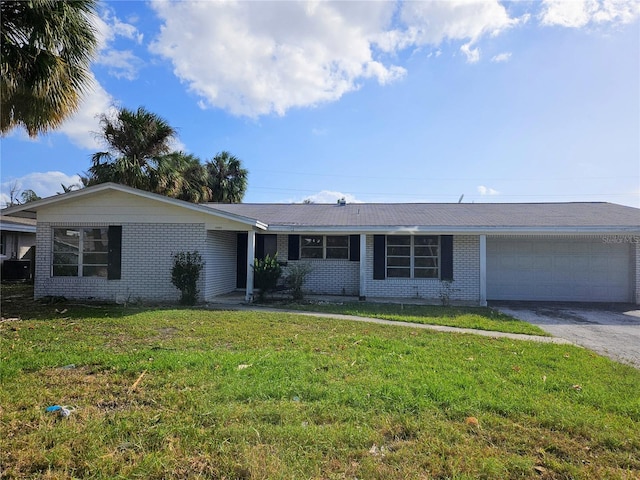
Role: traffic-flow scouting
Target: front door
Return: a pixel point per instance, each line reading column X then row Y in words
column 241, row 256
column 265, row 245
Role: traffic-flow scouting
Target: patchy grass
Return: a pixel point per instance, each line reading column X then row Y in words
column 257, row 395
column 481, row 318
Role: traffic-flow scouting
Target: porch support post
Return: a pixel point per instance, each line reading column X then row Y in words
column 251, row 253
column 363, row 266
column 483, row 270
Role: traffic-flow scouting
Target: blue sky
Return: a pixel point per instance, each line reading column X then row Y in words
column 372, row 101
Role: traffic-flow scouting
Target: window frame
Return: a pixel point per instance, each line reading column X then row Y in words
column 410, row 266
column 324, row 247
column 84, row 241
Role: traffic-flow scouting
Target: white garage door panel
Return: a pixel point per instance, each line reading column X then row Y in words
column 558, row 270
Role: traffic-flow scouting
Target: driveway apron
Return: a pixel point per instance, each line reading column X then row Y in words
column 613, row 331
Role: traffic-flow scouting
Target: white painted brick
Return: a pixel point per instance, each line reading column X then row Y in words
column 147, row 259
column 340, row 277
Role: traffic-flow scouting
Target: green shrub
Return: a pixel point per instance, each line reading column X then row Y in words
column 185, row 274
column 266, row 273
column 296, row 277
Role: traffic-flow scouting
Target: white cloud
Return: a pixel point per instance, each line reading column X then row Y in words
column 261, row 58
column 329, row 196
column 482, row 190
column 120, row 63
column 578, row 13
column 473, row 55
column 433, row 22
column 84, row 125
column 109, row 27
column 176, row 145
column 256, row 58
column 44, row 184
column 501, row 57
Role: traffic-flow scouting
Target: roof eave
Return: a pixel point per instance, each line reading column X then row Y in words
column 448, row 229
column 13, row 227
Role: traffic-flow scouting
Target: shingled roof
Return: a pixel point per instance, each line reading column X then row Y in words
column 596, row 215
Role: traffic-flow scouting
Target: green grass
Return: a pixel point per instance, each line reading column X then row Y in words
column 481, row 318
column 253, row 395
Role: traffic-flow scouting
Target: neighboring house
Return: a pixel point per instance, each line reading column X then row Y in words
column 17, row 239
column 116, row 243
column 17, row 236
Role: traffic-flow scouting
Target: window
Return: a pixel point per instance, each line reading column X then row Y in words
column 413, row 256
column 337, row 247
column 324, row 246
column 80, row 252
column 270, row 245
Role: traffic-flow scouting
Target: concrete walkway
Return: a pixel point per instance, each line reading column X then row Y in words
column 354, row 318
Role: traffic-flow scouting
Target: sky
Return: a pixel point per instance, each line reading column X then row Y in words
column 372, row 101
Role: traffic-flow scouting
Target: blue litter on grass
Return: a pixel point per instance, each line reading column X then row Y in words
column 64, row 411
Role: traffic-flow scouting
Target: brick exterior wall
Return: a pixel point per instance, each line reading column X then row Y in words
column 466, row 276
column 220, row 267
column 340, row 277
column 147, row 251
column 327, row 277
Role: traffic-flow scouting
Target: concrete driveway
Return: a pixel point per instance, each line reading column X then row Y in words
column 613, row 331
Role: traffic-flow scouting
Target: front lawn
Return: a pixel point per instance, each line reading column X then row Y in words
column 254, row 395
column 480, row 318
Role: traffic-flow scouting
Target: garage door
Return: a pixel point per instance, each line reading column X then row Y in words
column 558, row 270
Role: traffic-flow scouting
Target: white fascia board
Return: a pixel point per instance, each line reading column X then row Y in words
column 33, row 207
column 230, row 216
column 612, row 230
column 449, row 230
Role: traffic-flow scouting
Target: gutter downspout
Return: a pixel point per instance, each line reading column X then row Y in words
column 483, row 270
column 251, row 254
column 363, row 266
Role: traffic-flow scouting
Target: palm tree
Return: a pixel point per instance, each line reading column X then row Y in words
column 136, row 141
column 29, row 196
column 226, row 178
column 46, row 49
column 182, row 176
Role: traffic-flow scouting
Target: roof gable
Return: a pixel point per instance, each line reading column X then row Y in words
column 84, row 195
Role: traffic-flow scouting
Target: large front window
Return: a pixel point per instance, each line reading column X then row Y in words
column 80, row 252
column 413, row 256
column 324, row 246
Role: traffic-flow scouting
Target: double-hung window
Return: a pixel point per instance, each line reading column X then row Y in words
column 413, row 256
column 80, row 252
column 324, row 246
